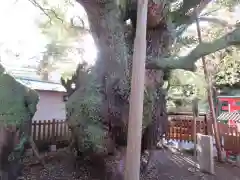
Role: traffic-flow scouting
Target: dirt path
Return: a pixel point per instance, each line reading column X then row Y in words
column 165, row 166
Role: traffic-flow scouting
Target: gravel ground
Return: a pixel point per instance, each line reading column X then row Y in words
column 58, row 166
column 165, row 166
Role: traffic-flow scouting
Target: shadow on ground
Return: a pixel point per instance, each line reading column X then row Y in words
column 165, row 165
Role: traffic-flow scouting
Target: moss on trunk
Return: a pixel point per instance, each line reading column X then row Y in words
column 99, row 108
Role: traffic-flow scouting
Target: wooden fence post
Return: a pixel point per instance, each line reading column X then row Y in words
column 33, row 133
column 53, row 131
column 49, row 123
column 57, row 129
column 61, row 134
column 44, row 123
column 39, row 129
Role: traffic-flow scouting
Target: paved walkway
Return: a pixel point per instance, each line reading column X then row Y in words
column 177, row 166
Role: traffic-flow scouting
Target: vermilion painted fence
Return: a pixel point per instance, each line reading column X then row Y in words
column 181, row 126
column 230, row 137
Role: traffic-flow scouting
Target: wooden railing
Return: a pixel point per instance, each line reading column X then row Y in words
column 50, row 131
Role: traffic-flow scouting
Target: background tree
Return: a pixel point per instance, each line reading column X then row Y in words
column 64, row 35
column 218, row 63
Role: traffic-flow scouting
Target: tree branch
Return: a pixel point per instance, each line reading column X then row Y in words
column 46, row 11
column 184, row 17
column 186, row 14
column 211, row 12
column 216, row 21
column 80, row 26
column 203, row 49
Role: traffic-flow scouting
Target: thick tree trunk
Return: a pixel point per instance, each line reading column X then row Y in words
column 109, row 35
column 108, row 32
column 113, row 68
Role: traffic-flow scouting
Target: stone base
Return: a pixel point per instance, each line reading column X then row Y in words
column 223, row 155
column 29, row 152
column 205, row 153
column 53, row 148
column 238, row 161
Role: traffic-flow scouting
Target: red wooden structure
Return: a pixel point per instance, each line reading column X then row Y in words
column 228, row 104
column 181, row 126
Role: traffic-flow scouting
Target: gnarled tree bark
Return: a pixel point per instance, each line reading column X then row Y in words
column 113, row 66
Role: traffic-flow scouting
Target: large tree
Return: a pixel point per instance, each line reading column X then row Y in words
column 107, row 84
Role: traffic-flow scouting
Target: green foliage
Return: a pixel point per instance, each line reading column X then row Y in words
column 61, row 34
column 183, row 41
column 84, row 115
column 13, row 96
column 83, row 108
column 184, row 86
column 223, row 65
column 58, row 28
column 230, row 4
column 52, row 55
column 228, row 73
column 147, row 106
column 18, row 105
column 67, row 75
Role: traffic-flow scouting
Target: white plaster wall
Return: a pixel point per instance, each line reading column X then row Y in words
column 50, row 106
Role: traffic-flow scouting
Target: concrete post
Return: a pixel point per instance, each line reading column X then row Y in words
column 205, row 153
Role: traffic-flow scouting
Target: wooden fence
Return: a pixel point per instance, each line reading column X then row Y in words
column 180, row 129
column 230, row 136
column 50, row 131
column 181, row 126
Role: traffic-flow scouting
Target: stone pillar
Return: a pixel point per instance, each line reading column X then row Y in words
column 205, row 153
column 238, row 160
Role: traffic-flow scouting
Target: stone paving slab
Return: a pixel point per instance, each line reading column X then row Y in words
column 178, row 166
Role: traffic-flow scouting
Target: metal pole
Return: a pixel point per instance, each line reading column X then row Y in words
column 132, row 168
